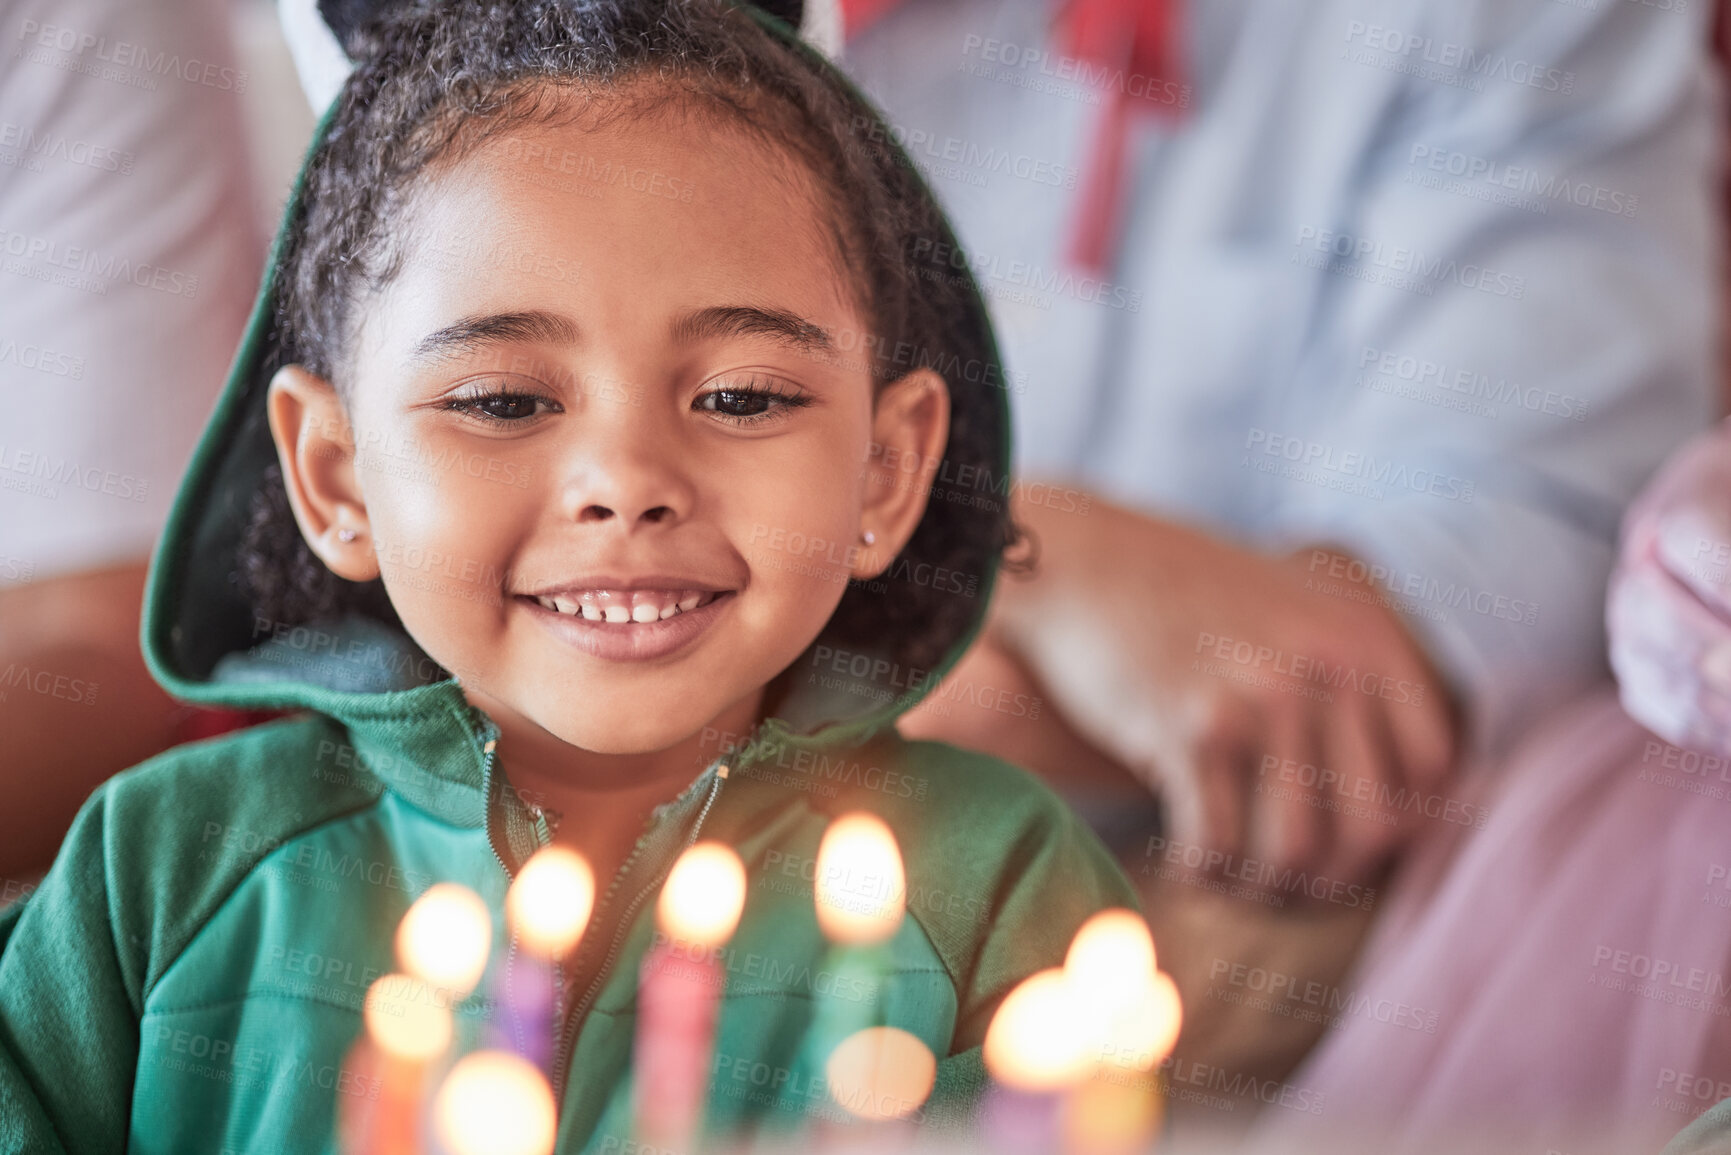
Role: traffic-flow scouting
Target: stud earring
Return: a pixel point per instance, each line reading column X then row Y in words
column 870, row 537
column 346, row 535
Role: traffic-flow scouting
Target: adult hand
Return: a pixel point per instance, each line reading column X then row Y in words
column 1278, row 709
column 1669, row 609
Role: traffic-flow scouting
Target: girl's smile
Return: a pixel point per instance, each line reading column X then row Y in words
column 620, row 623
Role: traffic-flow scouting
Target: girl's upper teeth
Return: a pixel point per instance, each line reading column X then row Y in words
column 626, row 605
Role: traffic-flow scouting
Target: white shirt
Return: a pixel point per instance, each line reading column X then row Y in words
column 129, row 260
column 1431, row 281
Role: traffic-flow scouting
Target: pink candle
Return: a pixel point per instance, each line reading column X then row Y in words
column 679, row 994
column 547, row 908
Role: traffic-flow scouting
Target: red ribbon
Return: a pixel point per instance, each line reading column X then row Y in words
column 1131, row 51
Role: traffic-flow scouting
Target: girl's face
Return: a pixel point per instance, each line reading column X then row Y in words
column 612, row 436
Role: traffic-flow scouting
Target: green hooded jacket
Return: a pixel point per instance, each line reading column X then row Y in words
column 190, row 974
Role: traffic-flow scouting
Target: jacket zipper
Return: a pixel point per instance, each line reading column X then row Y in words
column 543, row 837
column 572, row 1020
column 568, row 1033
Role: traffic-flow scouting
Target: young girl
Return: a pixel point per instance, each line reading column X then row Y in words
column 574, row 483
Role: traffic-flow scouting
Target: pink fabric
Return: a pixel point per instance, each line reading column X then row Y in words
column 1602, row 839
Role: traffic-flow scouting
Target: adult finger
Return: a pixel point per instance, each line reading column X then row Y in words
column 1216, row 763
column 1288, row 826
column 1362, row 751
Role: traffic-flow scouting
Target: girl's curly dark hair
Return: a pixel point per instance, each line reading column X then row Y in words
column 434, row 78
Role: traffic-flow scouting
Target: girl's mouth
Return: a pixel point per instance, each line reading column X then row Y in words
column 621, row 606
column 628, row 625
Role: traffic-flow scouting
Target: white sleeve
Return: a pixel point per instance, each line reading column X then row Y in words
column 1562, row 234
column 129, row 259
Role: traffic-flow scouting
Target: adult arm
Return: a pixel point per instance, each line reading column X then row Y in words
column 131, row 256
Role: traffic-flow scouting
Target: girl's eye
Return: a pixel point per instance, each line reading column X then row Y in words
column 752, row 401
column 501, row 407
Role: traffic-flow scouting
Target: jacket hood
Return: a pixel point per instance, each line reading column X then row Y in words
column 204, row 644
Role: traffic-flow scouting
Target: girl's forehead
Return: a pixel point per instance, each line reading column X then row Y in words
column 622, row 225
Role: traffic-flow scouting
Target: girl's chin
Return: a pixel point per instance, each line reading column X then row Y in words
column 648, row 736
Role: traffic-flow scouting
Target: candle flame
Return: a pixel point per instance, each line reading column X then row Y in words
column 861, row 887
column 550, row 900
column 1113, row 950
column 445, row 937
column 881, row 1073
column 1106, row 1007
column 1036, row 1042
column 404, row 1019
column 494, row 1103
column 704, row 895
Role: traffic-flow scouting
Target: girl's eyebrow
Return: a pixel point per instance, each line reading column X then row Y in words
column 749, row 321
column 471, row 333
column 538, row 325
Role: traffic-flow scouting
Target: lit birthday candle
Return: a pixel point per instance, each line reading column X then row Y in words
column 445, row 937
column 1036, row 1051
column 679, row 994
column 860, row 893
column 547, row 908
column 407, row 1028
column 861, row 886
column 495, row 1103
column 442, row 943
column 1131, row 1016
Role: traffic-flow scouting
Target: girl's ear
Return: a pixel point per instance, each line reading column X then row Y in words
column 910, row 427
column 316, row 449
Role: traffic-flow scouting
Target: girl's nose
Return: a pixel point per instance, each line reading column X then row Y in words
column 652, row 515
column 627, row 479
